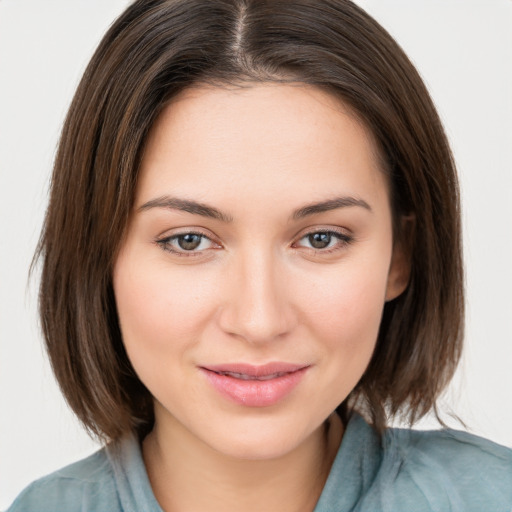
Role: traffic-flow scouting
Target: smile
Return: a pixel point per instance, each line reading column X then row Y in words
column 255, row 386
column 244, row 376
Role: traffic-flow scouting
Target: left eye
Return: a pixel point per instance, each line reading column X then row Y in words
column 320, row 240
column 186, row 242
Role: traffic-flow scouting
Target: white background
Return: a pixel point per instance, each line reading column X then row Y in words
column 463, row 49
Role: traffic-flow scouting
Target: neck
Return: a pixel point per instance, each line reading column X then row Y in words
column 187, row 475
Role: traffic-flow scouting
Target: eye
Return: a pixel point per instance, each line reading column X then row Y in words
column 324, row 240
column 186, row 244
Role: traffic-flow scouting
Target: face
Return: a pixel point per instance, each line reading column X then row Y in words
column 251, row 283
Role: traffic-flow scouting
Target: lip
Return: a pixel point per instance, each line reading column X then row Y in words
column 255, row 386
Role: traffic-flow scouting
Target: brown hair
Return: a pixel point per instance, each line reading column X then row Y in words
column 153, row 51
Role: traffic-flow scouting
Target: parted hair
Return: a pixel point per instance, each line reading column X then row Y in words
column 158, row 48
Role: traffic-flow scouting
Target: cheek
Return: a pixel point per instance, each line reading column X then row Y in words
column 347, row 301
column 344, row 313
column 160, row 311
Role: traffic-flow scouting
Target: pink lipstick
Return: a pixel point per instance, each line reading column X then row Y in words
column 255, row 386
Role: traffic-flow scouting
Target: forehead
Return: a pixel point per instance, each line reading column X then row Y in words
column 259, row 139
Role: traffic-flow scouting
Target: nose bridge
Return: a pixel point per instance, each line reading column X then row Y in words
column 258, row 308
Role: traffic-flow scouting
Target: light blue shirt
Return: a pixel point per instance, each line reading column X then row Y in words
column 406, row 471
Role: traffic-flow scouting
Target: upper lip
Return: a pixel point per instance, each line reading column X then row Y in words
column 256, row 370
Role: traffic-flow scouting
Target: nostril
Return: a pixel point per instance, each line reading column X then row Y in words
column 255, row 325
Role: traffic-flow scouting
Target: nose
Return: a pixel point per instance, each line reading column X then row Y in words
column 257, row 306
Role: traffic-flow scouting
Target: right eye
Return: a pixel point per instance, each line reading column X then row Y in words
column 186, row 244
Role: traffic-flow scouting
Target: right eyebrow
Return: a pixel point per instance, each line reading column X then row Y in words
column 186, row 205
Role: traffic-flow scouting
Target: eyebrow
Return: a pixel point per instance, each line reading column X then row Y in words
column 331, row 204
column 185, row 205
column 197, row 208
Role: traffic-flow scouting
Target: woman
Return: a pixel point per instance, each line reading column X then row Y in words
column 253, row 243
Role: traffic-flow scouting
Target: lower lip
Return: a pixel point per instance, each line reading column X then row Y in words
column 255, row 393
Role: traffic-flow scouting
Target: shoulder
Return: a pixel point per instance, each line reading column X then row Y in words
column 88, row 484
column 449, row 468
column 452, row 451
column 417, row 471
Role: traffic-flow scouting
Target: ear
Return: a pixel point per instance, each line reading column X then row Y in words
column 400, row 267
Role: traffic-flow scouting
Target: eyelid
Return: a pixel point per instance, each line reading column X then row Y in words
column 342, row 232
column 163, row 241
column 344, row 236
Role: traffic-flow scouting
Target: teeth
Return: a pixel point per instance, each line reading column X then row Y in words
column 243, row 376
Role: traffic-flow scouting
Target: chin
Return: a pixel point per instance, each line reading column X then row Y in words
column 257, row 448
column 262, row 438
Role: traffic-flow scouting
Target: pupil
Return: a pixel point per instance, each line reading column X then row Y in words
column 189, row 242
column 320, row 240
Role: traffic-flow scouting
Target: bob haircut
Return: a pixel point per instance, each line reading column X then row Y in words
column 158, row 48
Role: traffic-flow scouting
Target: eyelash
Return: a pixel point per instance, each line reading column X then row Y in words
column 343, row 241
column 165, row 243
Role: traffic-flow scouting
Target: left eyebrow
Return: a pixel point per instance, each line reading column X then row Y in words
column 331, row 204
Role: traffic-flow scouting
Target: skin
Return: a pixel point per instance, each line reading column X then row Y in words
column 254, row 290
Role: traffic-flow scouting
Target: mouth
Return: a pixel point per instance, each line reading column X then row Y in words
column 255, row 386
column 244, row 376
